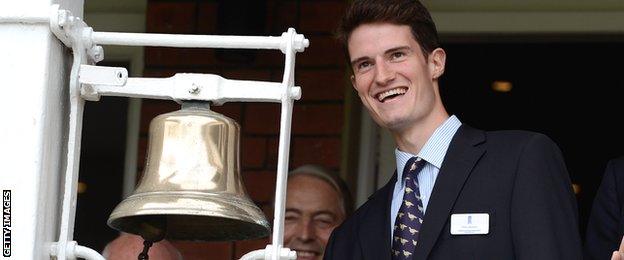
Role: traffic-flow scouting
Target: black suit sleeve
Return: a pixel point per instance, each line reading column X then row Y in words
column 544, row 215
column 603, row 228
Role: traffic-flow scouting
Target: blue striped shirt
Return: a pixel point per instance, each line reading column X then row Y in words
column 433, row 152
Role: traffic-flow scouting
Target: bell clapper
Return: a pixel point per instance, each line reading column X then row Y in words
column 146, row 245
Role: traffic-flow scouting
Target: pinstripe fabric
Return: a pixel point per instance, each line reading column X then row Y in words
column 433, row 152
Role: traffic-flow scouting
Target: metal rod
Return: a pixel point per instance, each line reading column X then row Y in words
column 187, row 41
column 284, row 147
column 68, row 213
column 87, row 253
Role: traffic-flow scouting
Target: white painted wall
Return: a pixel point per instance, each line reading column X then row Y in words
column 33, row 110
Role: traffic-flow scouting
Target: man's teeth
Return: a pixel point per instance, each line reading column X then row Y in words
column 305, row 253
column 391, row 92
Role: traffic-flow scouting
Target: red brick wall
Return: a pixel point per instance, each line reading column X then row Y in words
column 317, row 119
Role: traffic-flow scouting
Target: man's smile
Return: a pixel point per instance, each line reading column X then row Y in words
column 390, row 94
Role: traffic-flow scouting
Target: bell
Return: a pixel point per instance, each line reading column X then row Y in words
column 191, row 187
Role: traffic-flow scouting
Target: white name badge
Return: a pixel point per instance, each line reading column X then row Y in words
column 470, row 224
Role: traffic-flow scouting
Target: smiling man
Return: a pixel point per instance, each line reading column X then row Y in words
column 458, row 192
column 316, row 202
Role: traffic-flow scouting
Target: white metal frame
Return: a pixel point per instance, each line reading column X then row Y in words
column 88, row 82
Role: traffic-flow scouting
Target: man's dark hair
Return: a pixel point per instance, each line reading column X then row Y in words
column 399, row 12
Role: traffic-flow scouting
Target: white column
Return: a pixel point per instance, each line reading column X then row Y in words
column 33, row 129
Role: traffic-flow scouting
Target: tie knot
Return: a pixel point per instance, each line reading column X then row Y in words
column 413, row 166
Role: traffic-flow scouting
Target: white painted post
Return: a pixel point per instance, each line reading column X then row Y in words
column 33, row 133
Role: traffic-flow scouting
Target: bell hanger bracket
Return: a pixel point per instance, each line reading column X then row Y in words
column 88, row 82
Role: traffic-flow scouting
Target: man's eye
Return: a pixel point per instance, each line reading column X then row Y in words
column 397, row 55
column 363, row 65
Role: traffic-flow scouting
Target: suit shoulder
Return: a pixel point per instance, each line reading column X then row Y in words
column 519, row 138
column 617, row 163
column 351, row 224
column 515, row 134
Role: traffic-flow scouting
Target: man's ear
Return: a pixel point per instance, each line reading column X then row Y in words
column 437, row 62
column 352, row 78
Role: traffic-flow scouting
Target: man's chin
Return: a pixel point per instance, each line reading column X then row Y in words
column 308, row 255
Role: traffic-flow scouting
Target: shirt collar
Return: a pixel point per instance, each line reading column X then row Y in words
column 434, row 149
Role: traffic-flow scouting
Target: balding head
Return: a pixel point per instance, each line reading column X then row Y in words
column 128, row 246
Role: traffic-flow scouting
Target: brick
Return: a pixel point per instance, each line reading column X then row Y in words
column 244, row 247
column 204, row 250
column 272, row 152
column 247, row 74
column 253, row 152
column 171, row 17
column 159, row 73
column 323, row 51
column 318, row 119
column 179, row 57
column 325, row 84
column 207, row 18
column 268, row 209
column 323, row 150
column 231, row 110
column 321, row 16
column 269, row 58
column 260, row 185
column 261, row 118
column 165, row 73
column 285, row 16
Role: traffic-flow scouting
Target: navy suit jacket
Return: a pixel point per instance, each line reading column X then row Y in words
column 606, row 221
column 517, row 177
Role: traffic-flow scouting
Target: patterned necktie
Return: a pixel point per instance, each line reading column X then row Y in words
column 411, row 213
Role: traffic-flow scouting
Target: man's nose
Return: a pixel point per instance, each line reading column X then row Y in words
column 307, row 231
column 383, row 73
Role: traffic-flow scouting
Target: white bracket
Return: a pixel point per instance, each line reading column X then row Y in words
column 113, row 81
column 89, row 82
column 267, row 253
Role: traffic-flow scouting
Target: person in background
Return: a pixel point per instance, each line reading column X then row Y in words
column 458, row 192
column 605, row 226
column 317, row 201
column 128, row 247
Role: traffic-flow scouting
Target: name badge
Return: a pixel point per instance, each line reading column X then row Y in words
column 470, row 224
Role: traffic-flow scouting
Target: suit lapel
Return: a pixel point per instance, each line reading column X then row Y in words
column 462, row 155
column 375, row 232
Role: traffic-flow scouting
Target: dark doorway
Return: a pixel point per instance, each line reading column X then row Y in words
column 571, row 92
column 101, row 168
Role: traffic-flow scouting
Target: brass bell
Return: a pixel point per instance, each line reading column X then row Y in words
column 191, row 187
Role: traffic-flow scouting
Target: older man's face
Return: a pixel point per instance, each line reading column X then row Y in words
column 313, row 209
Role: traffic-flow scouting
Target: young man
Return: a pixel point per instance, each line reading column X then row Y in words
column 458, row 192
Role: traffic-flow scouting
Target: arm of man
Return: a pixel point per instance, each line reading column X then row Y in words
column 544, row 214
column 603, row 226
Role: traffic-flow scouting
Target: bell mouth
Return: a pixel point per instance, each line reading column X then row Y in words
column 189, row 216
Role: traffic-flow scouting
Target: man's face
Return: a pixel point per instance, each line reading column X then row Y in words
column 396, row 83
column 313, row 210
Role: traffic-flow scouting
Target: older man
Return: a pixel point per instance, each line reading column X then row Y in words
column 316, row 202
